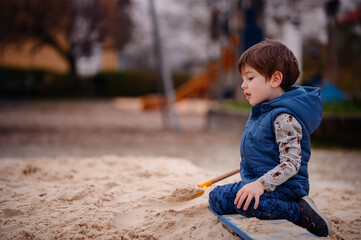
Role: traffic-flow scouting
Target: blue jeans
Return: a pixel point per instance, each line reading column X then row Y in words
column 272, row 205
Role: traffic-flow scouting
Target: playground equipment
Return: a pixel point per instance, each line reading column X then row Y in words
column 197, row 84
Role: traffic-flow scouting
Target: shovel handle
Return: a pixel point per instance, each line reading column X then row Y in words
column 217, row 179
column 226, row 175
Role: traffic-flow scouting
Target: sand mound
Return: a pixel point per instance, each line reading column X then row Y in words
column 103, row 198
column 114, row 197
column 186, row 193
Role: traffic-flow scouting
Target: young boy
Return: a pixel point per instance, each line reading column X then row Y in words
column 275, row 145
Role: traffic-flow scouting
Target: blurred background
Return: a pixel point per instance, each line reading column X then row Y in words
column 156, row 77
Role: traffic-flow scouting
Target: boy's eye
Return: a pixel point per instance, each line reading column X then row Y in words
column 250, row 78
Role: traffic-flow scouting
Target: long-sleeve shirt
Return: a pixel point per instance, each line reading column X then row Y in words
column 288, row 132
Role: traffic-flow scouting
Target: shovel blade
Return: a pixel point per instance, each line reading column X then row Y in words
column 198, row 194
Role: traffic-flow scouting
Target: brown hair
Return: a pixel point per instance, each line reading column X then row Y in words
column 269, row 56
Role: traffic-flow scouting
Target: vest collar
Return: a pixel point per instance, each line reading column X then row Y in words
column 261, row 108
column 268, row 105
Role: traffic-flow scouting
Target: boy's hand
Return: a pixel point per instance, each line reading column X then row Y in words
column 249, row 191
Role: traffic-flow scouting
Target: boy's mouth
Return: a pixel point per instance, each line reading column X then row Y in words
column 248, row 95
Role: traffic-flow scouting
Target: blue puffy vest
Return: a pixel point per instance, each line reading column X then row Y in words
column 259, row 149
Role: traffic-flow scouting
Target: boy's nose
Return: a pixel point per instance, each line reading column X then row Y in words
column 243, row 86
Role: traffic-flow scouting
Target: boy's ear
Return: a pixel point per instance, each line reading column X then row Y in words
column 276, row 79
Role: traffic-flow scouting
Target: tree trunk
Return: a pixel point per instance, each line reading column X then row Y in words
column 72, row 64
column 74, row 84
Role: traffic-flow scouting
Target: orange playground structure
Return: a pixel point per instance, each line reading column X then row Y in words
column 197, row 84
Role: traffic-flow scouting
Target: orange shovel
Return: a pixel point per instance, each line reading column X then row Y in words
column 209, row 182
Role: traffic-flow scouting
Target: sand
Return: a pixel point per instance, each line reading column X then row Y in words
column 106, row 170
column 103, row 198
column 114, row 197
column 186, row 193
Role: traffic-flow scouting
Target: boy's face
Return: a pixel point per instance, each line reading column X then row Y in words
column 256, row 88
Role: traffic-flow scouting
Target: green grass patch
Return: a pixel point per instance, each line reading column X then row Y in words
column 347, row 107
column 233, row 106
column 17, row 83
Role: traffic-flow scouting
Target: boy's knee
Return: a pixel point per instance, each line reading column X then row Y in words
column 221, row 199
column 213, row 196
column 213, row 200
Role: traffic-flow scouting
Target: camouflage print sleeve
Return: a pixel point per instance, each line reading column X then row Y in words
column 288, row 132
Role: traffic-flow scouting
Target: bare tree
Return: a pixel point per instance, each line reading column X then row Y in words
column 70, row 27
